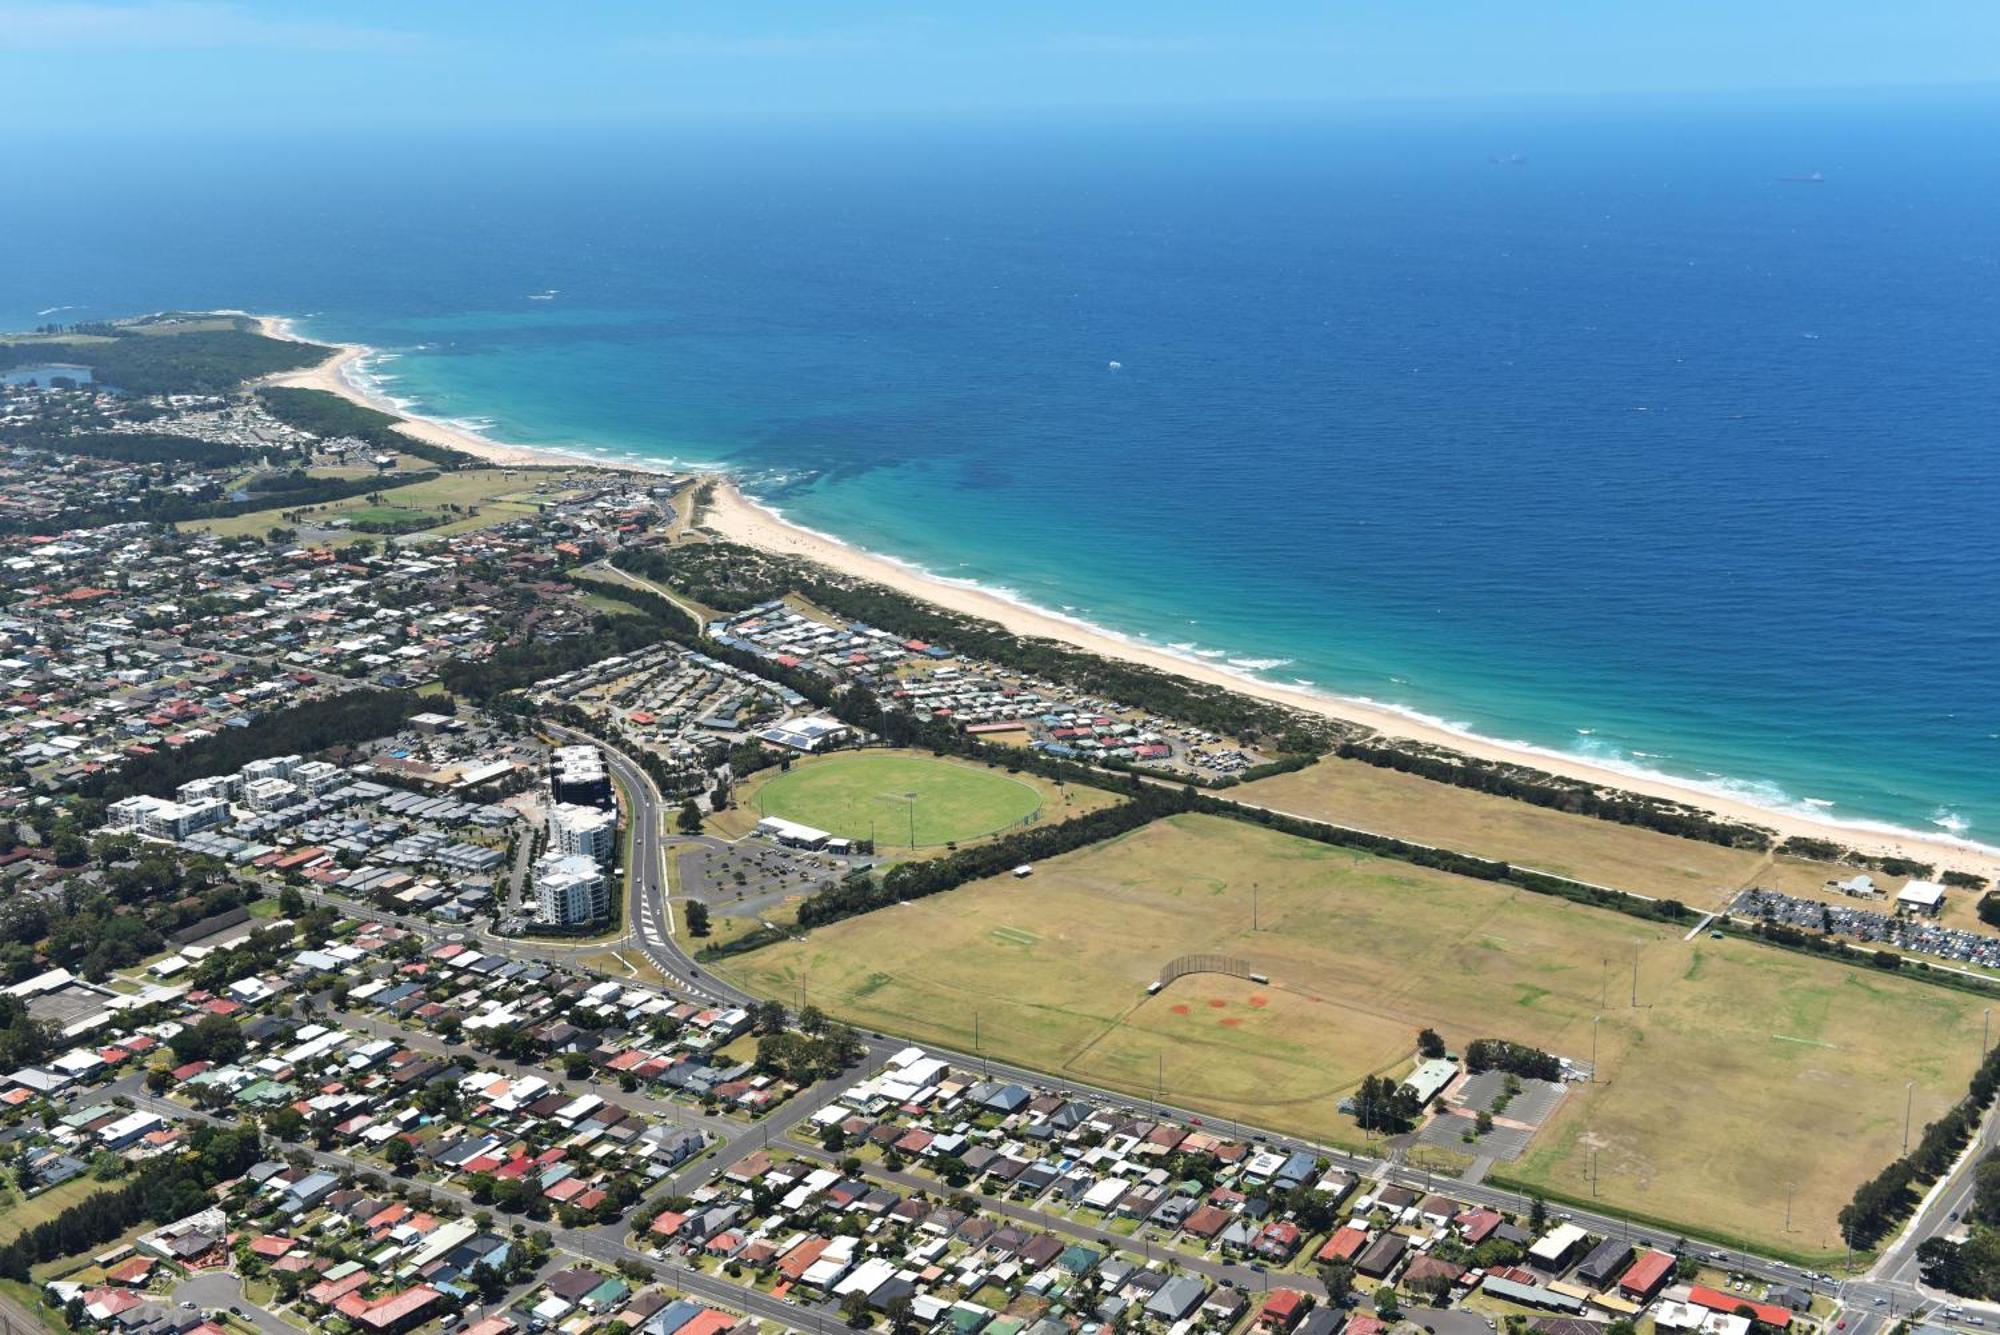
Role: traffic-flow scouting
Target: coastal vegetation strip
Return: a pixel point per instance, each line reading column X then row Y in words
column 731, row 577
column 330, row 415
column 207, row 354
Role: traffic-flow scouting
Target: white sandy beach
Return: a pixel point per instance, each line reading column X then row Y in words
column 334, row 377
column 740, row 519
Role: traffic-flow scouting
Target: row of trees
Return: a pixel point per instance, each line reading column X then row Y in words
column 1971, row 1268
column 132, row 447
column 1497, row 1054
column 1547, row 790
column 1151, row 801
column 328, row 415
column 919, row 879
column 159, row 505
column 1885, row 1200
column 161, row 1190
column 313, row 725
column 731, row 577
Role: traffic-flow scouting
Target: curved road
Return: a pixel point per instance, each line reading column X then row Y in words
column 1894, row 1279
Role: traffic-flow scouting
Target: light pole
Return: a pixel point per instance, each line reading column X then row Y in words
column 1985, row 1029
column 1593, row 1047
column 913, row 818
column 1908, row 1096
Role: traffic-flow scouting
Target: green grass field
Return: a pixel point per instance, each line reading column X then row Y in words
column 395, row 518
column 902, row 799
column 496, row 494
column 1704, row 875
column 17, row 1214
column 1741, row 1074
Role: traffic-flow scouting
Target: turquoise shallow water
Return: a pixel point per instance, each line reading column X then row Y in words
column 1634, row 449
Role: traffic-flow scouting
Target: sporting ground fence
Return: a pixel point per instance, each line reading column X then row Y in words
column 1187, row 964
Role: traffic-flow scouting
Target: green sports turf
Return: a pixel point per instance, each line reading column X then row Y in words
column 861, row 796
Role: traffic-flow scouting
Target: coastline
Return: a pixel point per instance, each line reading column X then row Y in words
column 337, row 375
column 741, row 519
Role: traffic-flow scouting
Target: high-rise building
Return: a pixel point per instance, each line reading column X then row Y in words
column 571, row 889
column 590, row 832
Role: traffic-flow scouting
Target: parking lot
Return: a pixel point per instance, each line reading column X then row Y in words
column 1917, row 935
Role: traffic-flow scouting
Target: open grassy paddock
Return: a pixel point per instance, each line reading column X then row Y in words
column 859, row 794
column 1742, row 1073
column 1625, row 857
column 17, row 1215
column 498, row 494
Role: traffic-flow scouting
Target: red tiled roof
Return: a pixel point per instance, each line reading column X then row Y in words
column 1645, row 1274
column 1716, row 1301
column 1345, row 1244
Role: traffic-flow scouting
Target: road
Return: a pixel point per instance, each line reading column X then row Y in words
column 665, row 951
column 604, row 1243
column 1219, row 1272
column 667, row 1110
column 222, row 1291
column 649, row 910
column 1894, row 1280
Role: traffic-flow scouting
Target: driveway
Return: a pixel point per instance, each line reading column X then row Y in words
column 220, row 1290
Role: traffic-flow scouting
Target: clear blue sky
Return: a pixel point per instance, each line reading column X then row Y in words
column 167, row 63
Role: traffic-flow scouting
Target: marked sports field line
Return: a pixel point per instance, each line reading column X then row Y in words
column 1809, row 1042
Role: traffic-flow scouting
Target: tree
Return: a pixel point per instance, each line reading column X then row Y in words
column 1986, row 1191
column 768, row 1017
column 854, row 1307
column 1338, row 1276
column 286, row 1123
column 1430, row 1044
column 1538, row 1216
column 690, row 818
column 1382, row 1104
column 697, row 916
column 399, row 1152
column 215, row 1039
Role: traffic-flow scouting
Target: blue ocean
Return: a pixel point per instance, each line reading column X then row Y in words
column 1664, row 433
